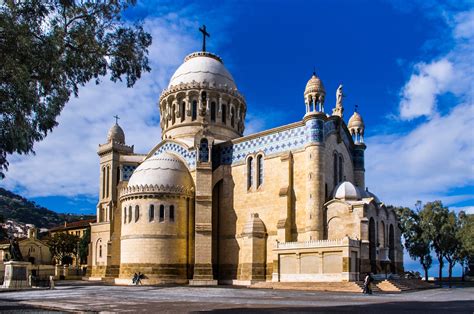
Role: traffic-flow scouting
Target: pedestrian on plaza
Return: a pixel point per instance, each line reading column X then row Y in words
column 367, row 282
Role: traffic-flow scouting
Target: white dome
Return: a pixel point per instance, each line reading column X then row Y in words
column 164, row 170
column 203, row 67
column 347, row 191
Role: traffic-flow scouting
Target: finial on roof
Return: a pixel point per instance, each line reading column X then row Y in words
column 116, row 119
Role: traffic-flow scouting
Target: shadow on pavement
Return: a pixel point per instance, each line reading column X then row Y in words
column 390, row 307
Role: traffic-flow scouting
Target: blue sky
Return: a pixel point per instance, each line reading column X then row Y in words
column 408, row 65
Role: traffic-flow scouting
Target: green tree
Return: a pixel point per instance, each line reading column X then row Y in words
column 465, row 235
column 416, row 243
column 63, row 246
column 451, row 243
column 84, row 246
column 434, row 222
column 51, row 47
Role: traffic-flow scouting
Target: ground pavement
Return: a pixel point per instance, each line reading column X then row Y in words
column 96, row 297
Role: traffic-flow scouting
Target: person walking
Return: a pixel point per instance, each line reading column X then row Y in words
column 367, row 282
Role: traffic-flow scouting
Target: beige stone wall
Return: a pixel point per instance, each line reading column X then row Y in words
column 100, row 237
column 156, row 248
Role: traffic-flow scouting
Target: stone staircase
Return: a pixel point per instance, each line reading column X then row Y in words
column 378, row 286
column 310, row 286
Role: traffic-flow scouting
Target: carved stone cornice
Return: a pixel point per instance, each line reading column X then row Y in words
column 158, row 189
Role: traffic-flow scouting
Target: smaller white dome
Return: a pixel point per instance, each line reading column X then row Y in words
column 165, row 170
column 116, row 134
column 347, row 191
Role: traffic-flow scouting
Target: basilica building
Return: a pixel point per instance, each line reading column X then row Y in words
column 208, row 205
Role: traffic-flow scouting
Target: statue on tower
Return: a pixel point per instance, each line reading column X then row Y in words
column 338, row 111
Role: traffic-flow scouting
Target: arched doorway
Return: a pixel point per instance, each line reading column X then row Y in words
column 372, row 246
column 391, row 248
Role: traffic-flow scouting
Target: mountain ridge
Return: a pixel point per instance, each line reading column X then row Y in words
column 16, row 207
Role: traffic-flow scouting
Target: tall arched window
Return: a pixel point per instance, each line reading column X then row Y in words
column 107, row 182
column 162, row 213
column 125, row 215
column 118, row 175
column 103, row 182
column 259, row 170
column 171, row 213
column 249, row 172
column 194, row 111
column 129, row 213
column 341, row 173
column 335, row 170
column 232, row 116
column 224, row 114
column 204, row 150
column 100, row 250
column 137, row 213
column 173, row 113
column 213, row 111
column 151, row 213
column 182, row 110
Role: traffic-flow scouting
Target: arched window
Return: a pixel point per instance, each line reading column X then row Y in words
column 125, row 215
column 129, row 213
column 118, row 175
column 182, row 111
column 232, row 116
column 194, row 111
column 224, row 114
column 171, row 213
column 137, row 213
column 103, row 182
column 335, row 170
column 173, row 112
column 259, row 170
column 107, row 182
column 213, row 111
column 151, row 213
column 100, row 250
column 249, row 172
column 162, row 213
column 340, row 168
column 204, row 150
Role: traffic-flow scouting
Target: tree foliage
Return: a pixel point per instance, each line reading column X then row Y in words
column 49, row 48
column 63, row 246
column 416, row 242
column 84, row 246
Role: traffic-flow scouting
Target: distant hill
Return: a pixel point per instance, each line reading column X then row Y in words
column 18, row 208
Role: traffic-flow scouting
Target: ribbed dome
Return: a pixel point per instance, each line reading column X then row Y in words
column 162, row 170
column 314, row 85
column 203, row 67
column 347, row 191
column 356, row 121
column 367, row 194
column 116, row 134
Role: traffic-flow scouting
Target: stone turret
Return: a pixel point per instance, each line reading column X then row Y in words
column 314, row 95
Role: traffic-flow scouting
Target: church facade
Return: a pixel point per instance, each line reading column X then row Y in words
column 208, row 205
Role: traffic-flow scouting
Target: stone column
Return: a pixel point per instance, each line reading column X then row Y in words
column 285, row 200
column 203, row 274
column 315, row 151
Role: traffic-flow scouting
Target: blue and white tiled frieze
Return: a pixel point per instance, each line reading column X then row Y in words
column 127, row 171
column 278, row 142
column 188, row 155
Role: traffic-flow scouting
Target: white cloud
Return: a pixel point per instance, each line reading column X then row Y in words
column 66, row 162
column 435, row 160
column 452, row 72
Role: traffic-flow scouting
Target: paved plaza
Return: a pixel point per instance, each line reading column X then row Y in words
column 96, row 297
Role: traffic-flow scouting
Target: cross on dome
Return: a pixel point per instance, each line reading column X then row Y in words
column 204, row 35
column 116, row 119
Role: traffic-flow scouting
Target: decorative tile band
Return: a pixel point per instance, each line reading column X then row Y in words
column 127, row 171
column 188, row 155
